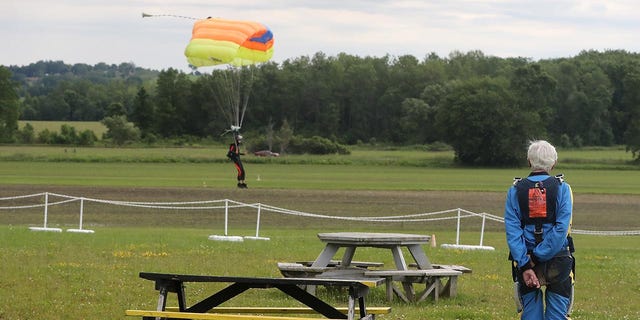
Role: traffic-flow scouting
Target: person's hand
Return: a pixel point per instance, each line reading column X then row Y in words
column 530, row 279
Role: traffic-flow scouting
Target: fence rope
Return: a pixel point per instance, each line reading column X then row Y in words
column 228, row 204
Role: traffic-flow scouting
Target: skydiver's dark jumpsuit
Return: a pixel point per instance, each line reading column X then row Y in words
column 234, row 154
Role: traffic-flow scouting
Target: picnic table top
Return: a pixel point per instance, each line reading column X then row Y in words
column 373, row 238
column 368, row 282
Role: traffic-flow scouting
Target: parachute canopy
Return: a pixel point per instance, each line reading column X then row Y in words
column 239, row 43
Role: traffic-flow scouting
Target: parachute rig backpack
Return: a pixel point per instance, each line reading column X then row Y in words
column 537, row 201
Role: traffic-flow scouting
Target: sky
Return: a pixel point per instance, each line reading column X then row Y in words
column 113, row 31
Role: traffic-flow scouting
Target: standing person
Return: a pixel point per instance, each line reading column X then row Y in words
column 537, row 217
column 234, row 154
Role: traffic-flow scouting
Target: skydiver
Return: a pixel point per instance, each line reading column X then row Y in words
column 234, row 154
column 538, row 214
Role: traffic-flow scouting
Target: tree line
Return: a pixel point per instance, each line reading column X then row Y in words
column 486, row 108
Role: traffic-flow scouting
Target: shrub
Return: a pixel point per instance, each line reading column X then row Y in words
column 316, row 145
column 46, row 136
column 86, row 138
column 27, row 134
column 120, row 131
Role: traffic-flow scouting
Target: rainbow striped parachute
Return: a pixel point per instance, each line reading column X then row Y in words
column 239, row 43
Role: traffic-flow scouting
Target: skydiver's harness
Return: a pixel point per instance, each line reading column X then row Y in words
column 537, row 200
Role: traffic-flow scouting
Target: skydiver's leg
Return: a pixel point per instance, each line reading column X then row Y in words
column 532, row 301
column 241, row 174
column 532, row 306
column 560, row 287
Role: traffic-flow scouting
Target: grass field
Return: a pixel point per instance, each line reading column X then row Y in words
column 589, row 171
column 82, row 276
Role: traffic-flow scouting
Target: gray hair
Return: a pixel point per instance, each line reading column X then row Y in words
column 542, row 155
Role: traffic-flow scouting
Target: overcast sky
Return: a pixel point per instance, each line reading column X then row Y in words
column 113, row 31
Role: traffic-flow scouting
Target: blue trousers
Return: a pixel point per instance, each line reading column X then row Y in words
column 556, row 294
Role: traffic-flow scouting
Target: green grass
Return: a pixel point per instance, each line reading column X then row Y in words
column 613, row 158
column 300, row 176
column 588, row 171
column 79, row 276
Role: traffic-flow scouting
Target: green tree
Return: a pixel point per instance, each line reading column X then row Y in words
column 480, row 120
column 173, row 89
column 9, row 106
column 86, row 138
column 632, row 102
column 115, row 109
column 285, row 134
column 73, row 103
column 27, row 134
column 143, row 113
column 68, row 135
column 119, row 130
column 417, row 122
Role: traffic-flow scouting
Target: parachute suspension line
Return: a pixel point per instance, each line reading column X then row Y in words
column 234, row 90
column 247, row 85
column 221, row 92
column 234, row 95
column 147, row 15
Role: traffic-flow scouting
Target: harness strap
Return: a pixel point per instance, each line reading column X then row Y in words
column 537, row 232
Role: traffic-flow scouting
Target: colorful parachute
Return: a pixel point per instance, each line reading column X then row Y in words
column 239, row 43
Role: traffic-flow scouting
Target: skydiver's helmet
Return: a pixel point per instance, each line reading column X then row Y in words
column 239, row 138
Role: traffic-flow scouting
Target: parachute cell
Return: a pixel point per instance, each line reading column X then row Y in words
column 239, row 43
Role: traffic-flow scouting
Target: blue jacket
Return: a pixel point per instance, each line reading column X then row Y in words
column 522, row 240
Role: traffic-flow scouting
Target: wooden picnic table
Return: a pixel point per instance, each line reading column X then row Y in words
column 395, row 242
column 174, row 283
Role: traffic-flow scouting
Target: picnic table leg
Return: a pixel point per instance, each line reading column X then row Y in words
column 166, row 286
column 362, row 306
column 162, row 299
column 388, row 283
column 401, row 264
column 398, row 258
column 322, row 261
column 348, row 256
column 312, row 301
column 217, row 298
column 351, row 313
column 450, row 289
column 325, row 256
column 420, row 257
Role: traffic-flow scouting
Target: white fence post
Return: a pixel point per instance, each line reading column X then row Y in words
column 258, row 237
column 80, row 230
column 484, row 217
column 46, row 217
column 458, row 229
column 226, row 237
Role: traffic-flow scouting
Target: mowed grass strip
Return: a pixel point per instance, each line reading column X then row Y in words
column 301, row 176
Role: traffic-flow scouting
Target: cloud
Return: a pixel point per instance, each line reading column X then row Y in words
column 91, row 31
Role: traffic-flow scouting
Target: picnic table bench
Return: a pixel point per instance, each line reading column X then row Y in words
column 209, row 308
column 462, row 269
column 438, row 282
column 305, row 268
